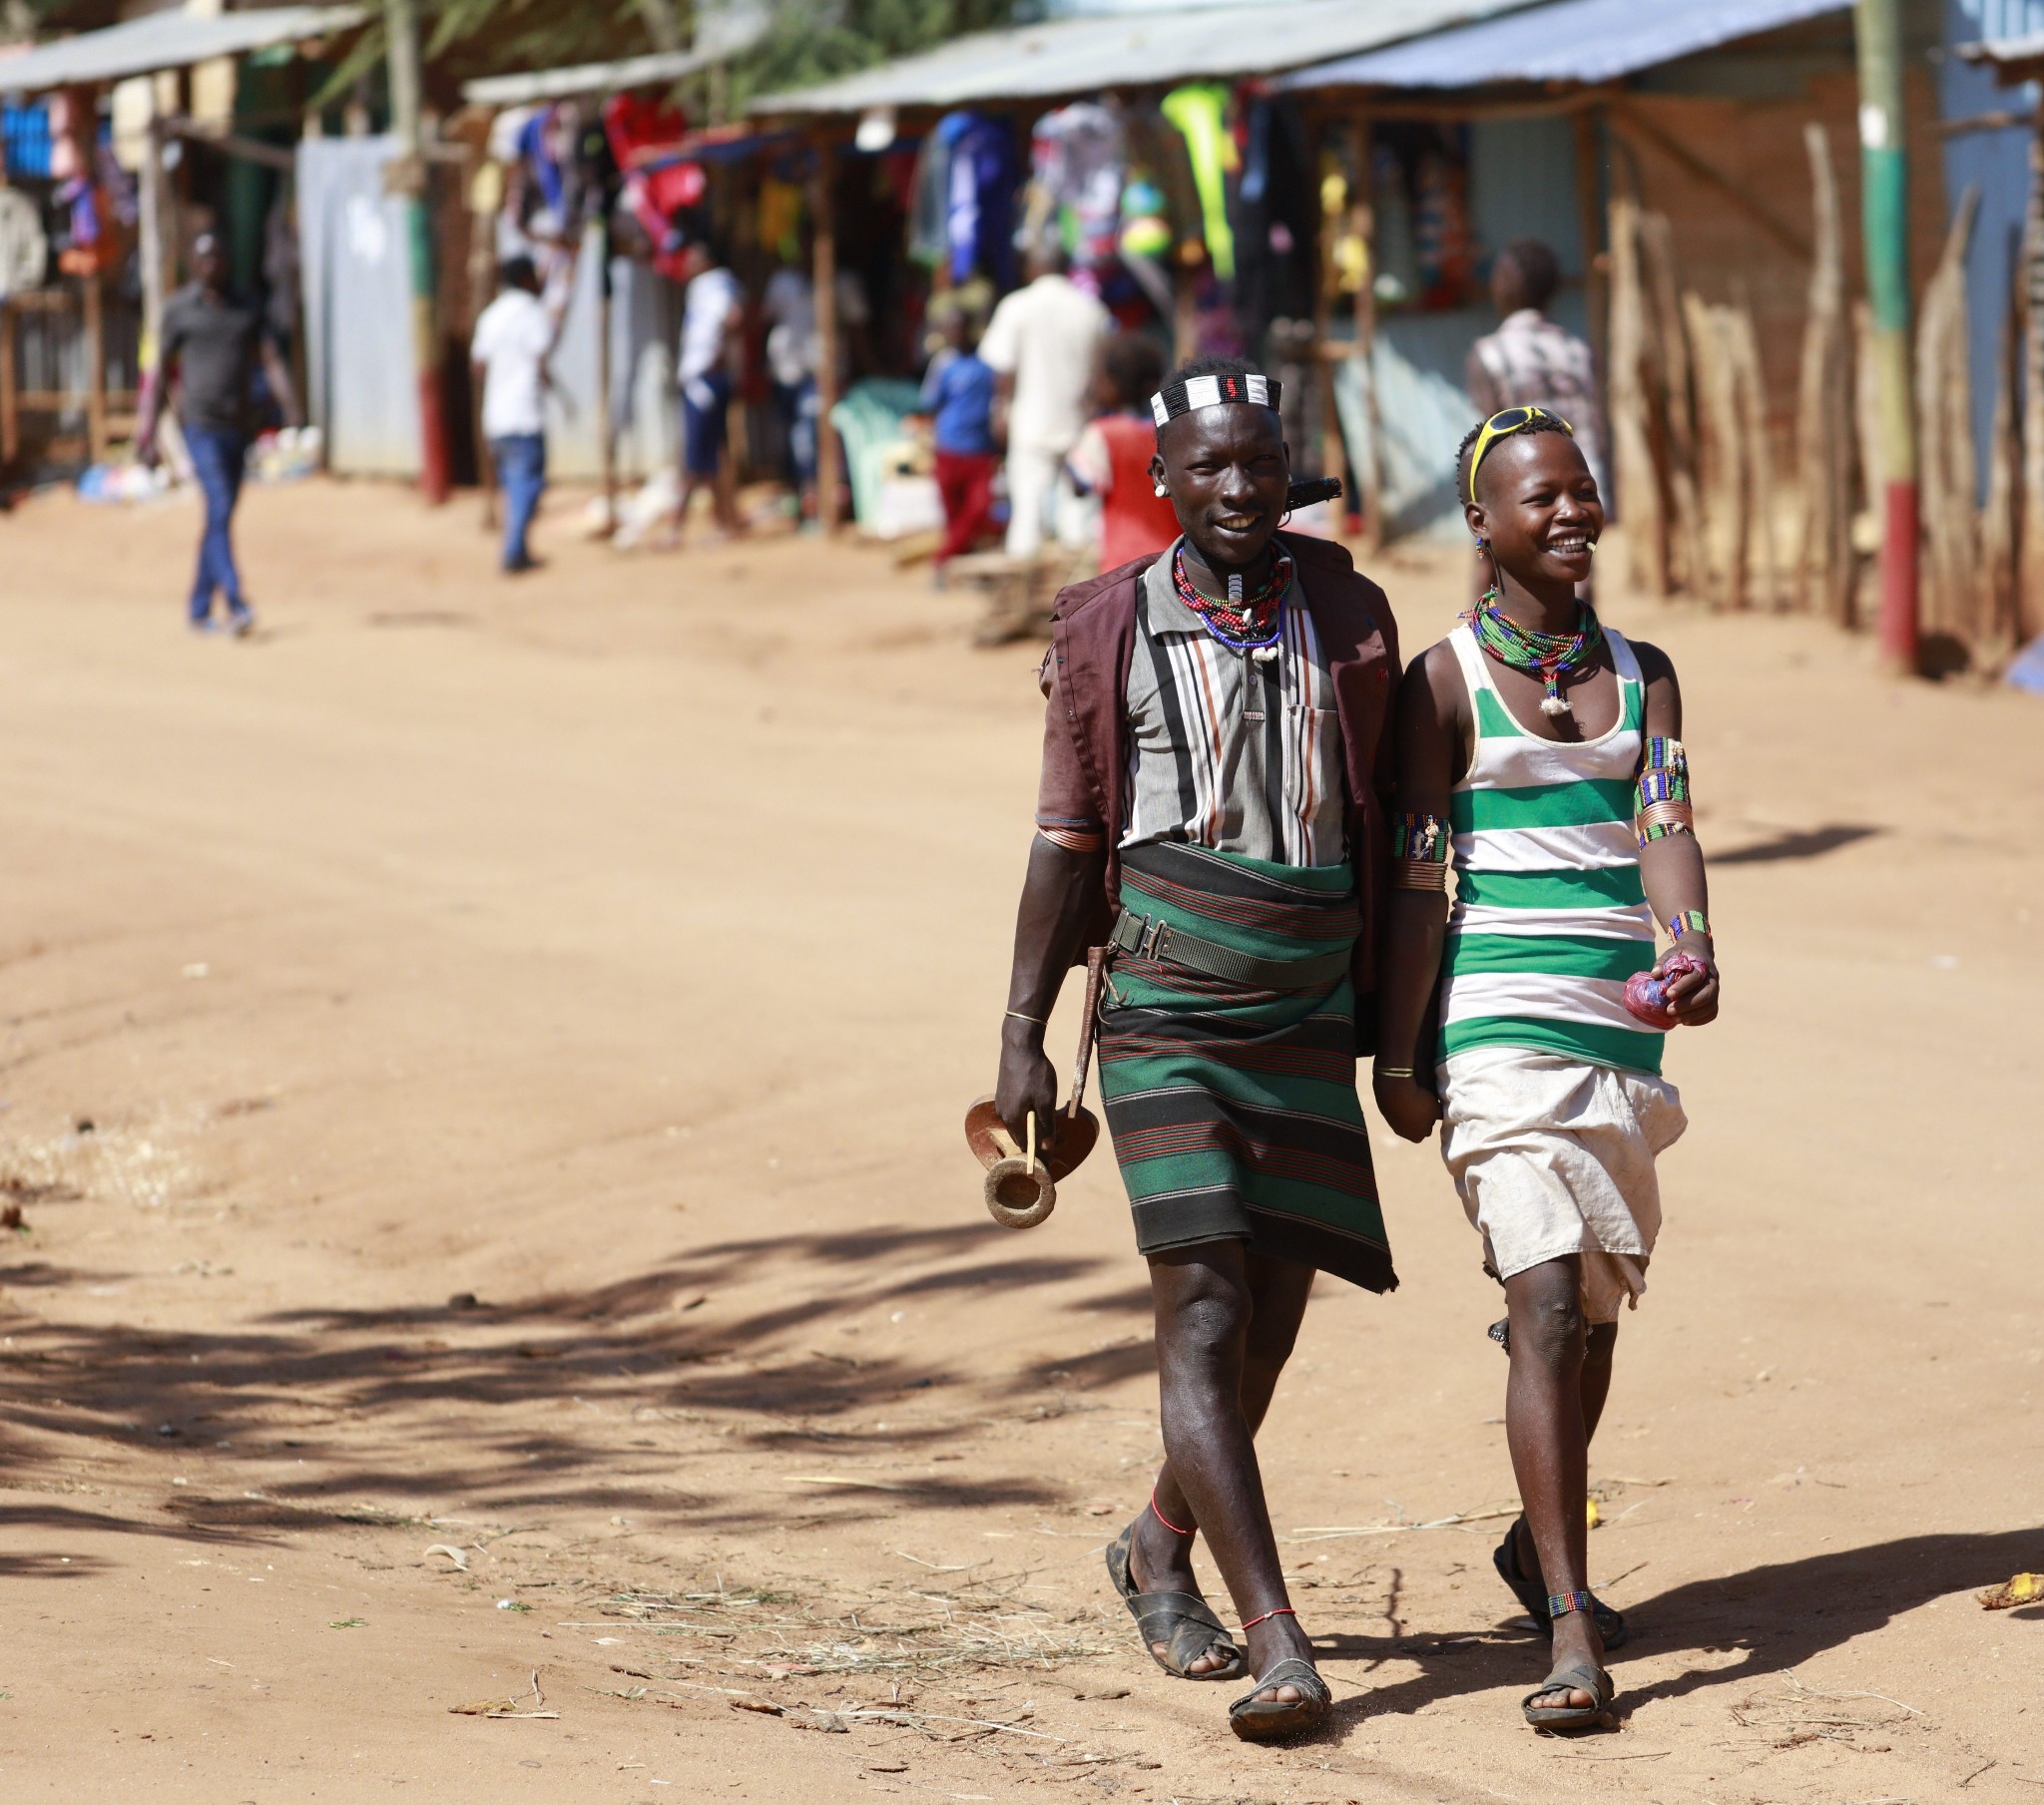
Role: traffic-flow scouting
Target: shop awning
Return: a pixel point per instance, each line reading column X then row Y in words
column 1132, row 50
column 739, row 34
column 1562, row 41
column 169, row 40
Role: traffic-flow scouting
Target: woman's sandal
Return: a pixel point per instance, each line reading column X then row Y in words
column 1255, row 1718
column 1181, row 1621
column 1531, row 1592
column 1577, row 1677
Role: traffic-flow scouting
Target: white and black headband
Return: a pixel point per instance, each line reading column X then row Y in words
column 1176, row 398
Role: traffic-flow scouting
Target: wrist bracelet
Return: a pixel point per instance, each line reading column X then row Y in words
column 1395, row 1071
column 1017, row 1015
column 1689, row 921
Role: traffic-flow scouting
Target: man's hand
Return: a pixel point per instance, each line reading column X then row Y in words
column 1027, row 1082
column 1408, row 1106
column 1692, row 996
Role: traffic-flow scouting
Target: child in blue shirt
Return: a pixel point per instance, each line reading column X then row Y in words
column 959, row 393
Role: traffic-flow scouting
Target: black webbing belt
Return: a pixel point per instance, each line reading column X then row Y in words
column 1159, row 940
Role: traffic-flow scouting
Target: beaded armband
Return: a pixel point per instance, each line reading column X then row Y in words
column 1690, row 921
column 1662, row 794
column 1419, row 853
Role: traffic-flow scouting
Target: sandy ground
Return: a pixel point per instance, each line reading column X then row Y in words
column 481, row 1082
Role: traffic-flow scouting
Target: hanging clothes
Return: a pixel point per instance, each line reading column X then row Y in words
column 980, row 210
column 1076, row 161
column 1200, row 112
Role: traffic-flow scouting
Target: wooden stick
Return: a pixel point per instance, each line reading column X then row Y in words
column 1635, row 473
column 1823, row 558
column 1743, row 341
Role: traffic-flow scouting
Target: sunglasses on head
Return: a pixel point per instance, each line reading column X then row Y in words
column 1502, row 425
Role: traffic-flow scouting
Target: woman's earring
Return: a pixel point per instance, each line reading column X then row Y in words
column 1482, row 544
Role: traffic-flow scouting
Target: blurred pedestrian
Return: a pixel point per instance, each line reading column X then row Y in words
column 1112, row 457
column 1041, row 345
column 513, row 338
column 213, row 344
column 788, row 307
column 1531, row 360
column 713, row 335
column 959, row 393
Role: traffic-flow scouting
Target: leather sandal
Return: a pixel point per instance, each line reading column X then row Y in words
column 1181, row 1621
column 1531, row 1592
column 1577, row 1677
column 1258, row 1719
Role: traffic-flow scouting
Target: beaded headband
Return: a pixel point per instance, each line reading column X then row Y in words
column 1211, row 391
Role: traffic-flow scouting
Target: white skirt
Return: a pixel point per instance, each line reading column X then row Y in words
column 1552, row 1157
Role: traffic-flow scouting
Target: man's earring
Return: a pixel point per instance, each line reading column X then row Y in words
column 1162, row 492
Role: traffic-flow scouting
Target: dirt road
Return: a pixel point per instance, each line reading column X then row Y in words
column 481, row 1083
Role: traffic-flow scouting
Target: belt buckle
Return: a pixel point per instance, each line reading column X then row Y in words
column 1154, row 934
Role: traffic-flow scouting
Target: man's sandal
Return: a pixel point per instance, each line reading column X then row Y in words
column 1531, row 1592
column 1577, row 1676
column 1181, row 1621
column 1255, row 1718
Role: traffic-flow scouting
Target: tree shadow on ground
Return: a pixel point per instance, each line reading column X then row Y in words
column 1778, row 1616
column 360, row 1400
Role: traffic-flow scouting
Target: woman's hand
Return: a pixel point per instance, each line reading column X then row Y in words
column 1408, row 1106
column 1027, row 1082
column 1691, row 995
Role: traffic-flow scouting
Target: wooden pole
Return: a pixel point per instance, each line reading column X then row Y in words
column 606, row 422
column 1587, row 126
column 1884, row 195
column 94, row 369
column 2030, row 587
column 402, row 26
column 1823, row 412
column 829, row 459
column 151, row 247
column 1998, row 620
column 1751, row 388
column 1370, row 483
column 10, row 394
column 1635, row 475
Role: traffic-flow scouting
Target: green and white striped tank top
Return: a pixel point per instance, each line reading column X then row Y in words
column 1550, row 916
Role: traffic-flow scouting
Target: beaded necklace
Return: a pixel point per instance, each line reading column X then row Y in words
column 1242, row 623
column 1547, row 655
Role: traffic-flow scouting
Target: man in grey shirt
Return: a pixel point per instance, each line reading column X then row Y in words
column 210, row 347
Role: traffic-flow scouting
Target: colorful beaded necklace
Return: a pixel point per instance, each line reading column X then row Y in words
column 1547, row 655
column 1253, row 624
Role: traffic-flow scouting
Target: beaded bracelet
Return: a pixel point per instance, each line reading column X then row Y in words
column 1689, row 921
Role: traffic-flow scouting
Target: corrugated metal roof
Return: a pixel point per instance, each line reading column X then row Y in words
column 1563, row 41
column 721, row 32
column 1132, row 50
column 167, row 40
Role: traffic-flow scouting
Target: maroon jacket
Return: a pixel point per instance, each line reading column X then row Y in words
column 1086, row 729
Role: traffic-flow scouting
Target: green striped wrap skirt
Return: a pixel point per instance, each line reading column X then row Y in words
column 1234, row 1111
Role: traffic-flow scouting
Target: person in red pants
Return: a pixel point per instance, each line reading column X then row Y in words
column 959, row 393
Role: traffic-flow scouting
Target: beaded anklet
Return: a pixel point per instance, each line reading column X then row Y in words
column 1282, row 1610
column 1166, row 1520
column 1561, row 1604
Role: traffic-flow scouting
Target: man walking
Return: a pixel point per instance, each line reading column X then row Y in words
column 212, row 344
column 513, row 338
column 1212, row 807
column 1042, row 344
column 713, row 327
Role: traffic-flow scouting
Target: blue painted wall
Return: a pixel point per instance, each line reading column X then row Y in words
column 1999, row 163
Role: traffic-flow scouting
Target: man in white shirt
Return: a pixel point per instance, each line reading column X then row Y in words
column 509, row 352
column 713, row 328
column 1041, row 345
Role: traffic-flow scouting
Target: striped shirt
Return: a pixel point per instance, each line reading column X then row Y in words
column 1226, row 752
column 1550, row 914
